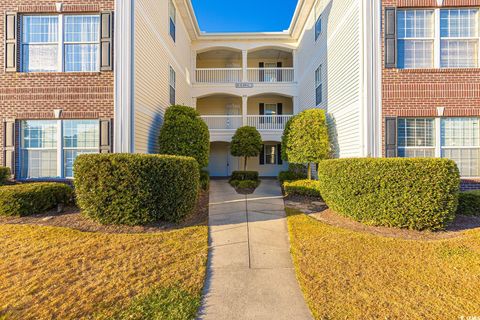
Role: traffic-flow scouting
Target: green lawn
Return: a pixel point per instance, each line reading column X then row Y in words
column 50, row 272
column 347, row 274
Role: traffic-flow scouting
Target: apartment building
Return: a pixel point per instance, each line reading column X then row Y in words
column 396, row 77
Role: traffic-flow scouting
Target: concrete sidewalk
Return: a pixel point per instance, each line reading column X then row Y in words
column 250, row 273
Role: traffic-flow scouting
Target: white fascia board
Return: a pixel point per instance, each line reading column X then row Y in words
column 123, row 76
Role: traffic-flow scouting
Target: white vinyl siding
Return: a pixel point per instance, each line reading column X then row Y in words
column 57, row 43
column 415, row 38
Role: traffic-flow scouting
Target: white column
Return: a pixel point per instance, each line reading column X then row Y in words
column 296, row 105
column 194, row 103
column 295, row 65
column 194, row 66
column 436, row 50
column 245, row 65
column 438, row 137
column 244, row 109
column 124, row 73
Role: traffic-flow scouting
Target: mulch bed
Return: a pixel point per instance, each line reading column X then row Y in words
column 316, row 208
column 73, row 219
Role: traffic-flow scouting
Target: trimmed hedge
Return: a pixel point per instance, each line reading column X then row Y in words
column 407, row 193
column 184, row 133
column 5, row 174
column 304, row 188
column 33, row 198
column 135, row 189
column 469, row 203
column 295, row 172
column 245, row 184
column 245, row 175
column 204, row 180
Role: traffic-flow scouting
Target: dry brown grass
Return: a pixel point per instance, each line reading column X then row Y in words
column 348, row 274
column 49, row 272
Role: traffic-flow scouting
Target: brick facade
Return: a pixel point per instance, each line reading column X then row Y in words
column 36, row 95
column 418, row 92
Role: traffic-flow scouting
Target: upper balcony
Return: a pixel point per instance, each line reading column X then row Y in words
column 262, row 66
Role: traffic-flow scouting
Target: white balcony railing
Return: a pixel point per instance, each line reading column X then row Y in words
column 219, row 75
column 268, row 122
column 223, row 122
column 270, row 75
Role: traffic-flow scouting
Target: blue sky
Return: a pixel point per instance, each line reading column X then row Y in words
column 244, row 15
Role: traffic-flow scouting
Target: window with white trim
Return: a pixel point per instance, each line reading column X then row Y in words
column 172, row 85
column 318, row 86
column 318, row 27
column 415, row 29
column 172, row 13
column 458, row 140
column 459, row 38
column 48, row 148
column 57, row 43
column 461, row 143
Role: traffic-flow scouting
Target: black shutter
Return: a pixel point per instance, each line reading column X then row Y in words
column 261, row 109
column 280, row 108
column 261, row 73
column 279, row 72
column 106, row 40
column 390, row 37
column 11, row 50
column 105, row 135
column 279, row 154
column 262, row 155
column 391, row 137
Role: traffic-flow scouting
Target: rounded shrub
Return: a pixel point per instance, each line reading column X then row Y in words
column 406, row 193
column 5, row 174
column 305, row 139
column 135, row 189
column 184, row 133
column 246, row 142
column 33, row 198
column 304, row 188
column 469, row 203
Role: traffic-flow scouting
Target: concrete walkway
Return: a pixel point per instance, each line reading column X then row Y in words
column 250, row 273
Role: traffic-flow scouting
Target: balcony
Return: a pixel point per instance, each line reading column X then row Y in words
column 224, row 66
column 266, row 112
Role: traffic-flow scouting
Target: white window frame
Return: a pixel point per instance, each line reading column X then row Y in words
column 437, row 35
column 438, row 143
column 60, row 43
column 60, row 147
column 433, row 147
column 319, row 84
column 438, row 38
column 172, row 19
column 172, row 86
column 318, row 22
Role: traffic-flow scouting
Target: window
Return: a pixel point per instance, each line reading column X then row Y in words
column 271, row 109
column 415, row 38
column 416, row 138
column 59, row 43
column 172, row 12
column 47, row 143
column 318, row 27
column 459, row 38
column 270, row 154
column 459, row 140
column 172, row 86
column 461, row 143
column 318, row 86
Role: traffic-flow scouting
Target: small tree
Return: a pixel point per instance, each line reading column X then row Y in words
column 247, row 142
column 305, row 139
column 184, row 134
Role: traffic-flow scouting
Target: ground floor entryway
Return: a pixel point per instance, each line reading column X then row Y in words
column 250, row 272
column 268, row 164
